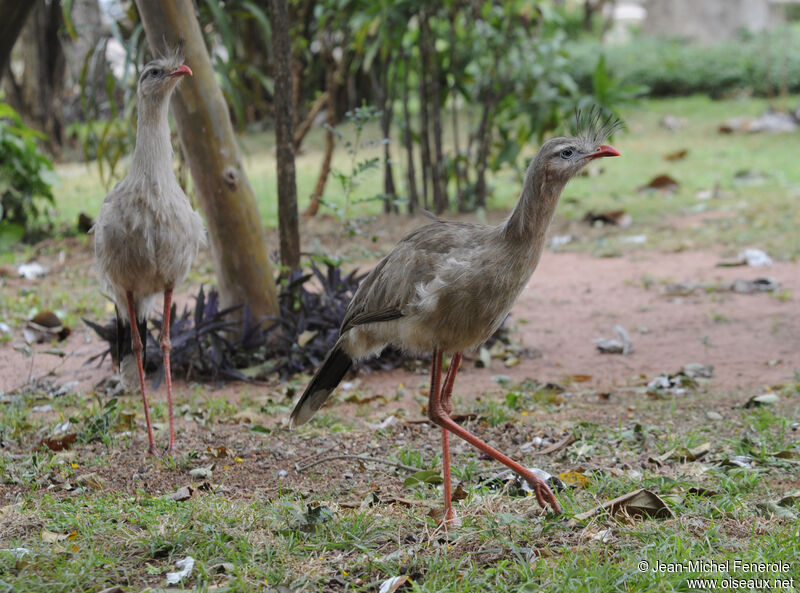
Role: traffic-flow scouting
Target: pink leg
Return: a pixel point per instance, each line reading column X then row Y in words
column 441, row 416
column 447, row 392
column 434, row 394
column 138, row 349
column 166, row 347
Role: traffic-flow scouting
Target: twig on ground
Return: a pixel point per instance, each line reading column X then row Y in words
column 317, row 454
column 408, row 468
column 562, row 444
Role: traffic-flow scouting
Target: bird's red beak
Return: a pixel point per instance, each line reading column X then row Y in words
column 603, row 150
column 181, row 70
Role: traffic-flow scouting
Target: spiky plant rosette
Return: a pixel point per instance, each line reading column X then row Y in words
column 211, row 344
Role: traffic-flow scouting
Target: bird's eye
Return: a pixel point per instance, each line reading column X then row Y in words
column 567, row 153
column 155, row 72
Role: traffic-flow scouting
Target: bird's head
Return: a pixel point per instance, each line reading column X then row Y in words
column 564, row 157
column 160, row 77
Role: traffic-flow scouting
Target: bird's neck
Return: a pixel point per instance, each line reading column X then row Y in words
column 525, row 229
column 152, row 156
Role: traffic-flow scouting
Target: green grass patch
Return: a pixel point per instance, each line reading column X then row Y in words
column 761, row 204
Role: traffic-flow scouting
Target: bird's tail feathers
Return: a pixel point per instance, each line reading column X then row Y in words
column 329, row 375
column 122, row 351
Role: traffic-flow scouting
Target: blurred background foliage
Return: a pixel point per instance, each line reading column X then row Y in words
column 26, row 176
column 494, row 76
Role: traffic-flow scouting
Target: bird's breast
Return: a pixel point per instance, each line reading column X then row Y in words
column 146, row 245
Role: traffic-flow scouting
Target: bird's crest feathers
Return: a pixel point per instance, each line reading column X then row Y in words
column 594, row 126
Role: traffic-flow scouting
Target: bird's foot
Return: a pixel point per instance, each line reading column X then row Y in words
column 152, row 451
column 172, row 450
column 544, row 495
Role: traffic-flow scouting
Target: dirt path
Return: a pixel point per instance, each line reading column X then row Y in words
column 752, row 340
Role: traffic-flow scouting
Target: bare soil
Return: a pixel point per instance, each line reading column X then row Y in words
column 752, row 340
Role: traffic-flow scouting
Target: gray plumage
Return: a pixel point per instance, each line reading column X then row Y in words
column 147, row 235
column 449, row 285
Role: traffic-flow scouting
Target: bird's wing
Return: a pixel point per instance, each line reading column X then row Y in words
column 393, row 283
column 370, row 317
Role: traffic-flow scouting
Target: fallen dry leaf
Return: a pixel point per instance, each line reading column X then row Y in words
column 770, row 508
column 574, row 478
column 702, row 492
column 44, row 327
column 218, row 452
column 11, row 509
column 51, row 537
column 355, row 399
column 662, row 183
column 223, row 567
column 639, row 503
column 182, row 494
column 785, row 454
column 59, row 443
column 677, row 155
column 618, row 218
column 92, row 480
column 393, row 584
column 754, row 286
column 202, row 473
column 765, row 399
column 459, row 493
column 603, row 536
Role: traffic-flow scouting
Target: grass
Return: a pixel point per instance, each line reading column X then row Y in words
column 260, row 525
column 276, row 535
column 763, row 211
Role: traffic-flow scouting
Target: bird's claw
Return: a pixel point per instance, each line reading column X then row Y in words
column 544, row 495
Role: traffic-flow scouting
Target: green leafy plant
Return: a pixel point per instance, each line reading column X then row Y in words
column 107, row 131
column 764, row 64
column 98, row 423
column 350, row 179
column 238, row 33
column 242, row 37
column 26, row 176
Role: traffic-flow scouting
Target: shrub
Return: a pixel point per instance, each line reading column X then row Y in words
column 762, row 63
column 208, row 345
column 25, row 179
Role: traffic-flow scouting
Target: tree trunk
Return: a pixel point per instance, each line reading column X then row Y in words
column 87, row 24
column 411, row 176
column 37, row 95
column 15, row 13
column 453, row 107
column 484, row 137
column 440, row 201
column 243, row 269
column 284, row 135
column 424, row 133
column 383, row 94
column 305, row 126
column 298, row 14
column 297, row 81
column 331, row 89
